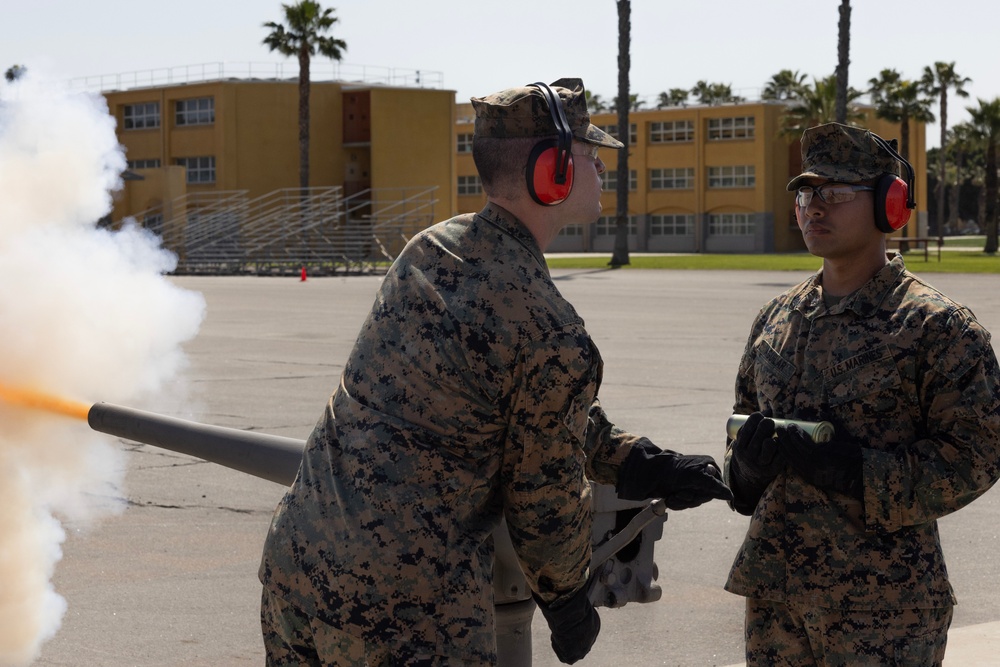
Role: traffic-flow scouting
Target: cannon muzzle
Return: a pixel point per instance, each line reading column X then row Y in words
column 271, row 457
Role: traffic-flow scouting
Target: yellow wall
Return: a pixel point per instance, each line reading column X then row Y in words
column 412, row 142
column 254, row 138
column 774, row 159
column 408, row 149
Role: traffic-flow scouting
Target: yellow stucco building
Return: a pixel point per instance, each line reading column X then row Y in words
column 222, row 155
column 703, row 179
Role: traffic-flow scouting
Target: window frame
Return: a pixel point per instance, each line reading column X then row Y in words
column 728, row 177
column 203, row 112
column 732, row 128
column 141, row 116
column 193, row 172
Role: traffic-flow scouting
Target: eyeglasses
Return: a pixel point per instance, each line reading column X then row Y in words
column 829, row 193
column 589, row 150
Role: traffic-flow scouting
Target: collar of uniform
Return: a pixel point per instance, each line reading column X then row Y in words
column 865, row 302
column 508, row 223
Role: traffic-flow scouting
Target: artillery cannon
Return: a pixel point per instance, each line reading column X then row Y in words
column 623, row 537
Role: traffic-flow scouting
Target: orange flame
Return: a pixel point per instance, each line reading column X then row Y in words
column 37, row 400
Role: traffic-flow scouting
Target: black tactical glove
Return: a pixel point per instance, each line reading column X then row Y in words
column 574, row 625
column 754, row 463
column 683, row 481
column 834, row 466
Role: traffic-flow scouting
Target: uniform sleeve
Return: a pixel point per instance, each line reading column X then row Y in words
column 607, row 446
column 546, row 493
column 958, row 457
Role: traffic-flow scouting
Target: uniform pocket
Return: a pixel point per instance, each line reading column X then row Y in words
column 869, row 379
column 772, row 373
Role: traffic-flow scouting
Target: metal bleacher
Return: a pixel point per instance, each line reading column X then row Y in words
column 282, row 232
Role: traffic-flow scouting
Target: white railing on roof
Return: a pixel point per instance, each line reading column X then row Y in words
column 319, row 70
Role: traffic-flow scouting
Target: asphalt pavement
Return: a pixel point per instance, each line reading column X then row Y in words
column 172, row 580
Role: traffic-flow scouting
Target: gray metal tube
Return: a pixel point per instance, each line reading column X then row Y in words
column 271, row 457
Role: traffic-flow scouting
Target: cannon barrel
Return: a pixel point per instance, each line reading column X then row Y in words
column 271, row 457
column 276, row 458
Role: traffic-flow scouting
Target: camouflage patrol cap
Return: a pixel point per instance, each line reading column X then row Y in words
column 842, row 153
column 523, row 112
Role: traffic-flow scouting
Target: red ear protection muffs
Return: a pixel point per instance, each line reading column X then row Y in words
column 893, row 196
column 550, row 166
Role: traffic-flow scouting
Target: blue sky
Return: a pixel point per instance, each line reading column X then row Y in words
column 478, row 47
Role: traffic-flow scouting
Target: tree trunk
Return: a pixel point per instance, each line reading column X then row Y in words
column 303, row 118
column 620, row 255
column 904, row 151
column 956, row 191
column 981, row 209
column 991, row 198
column 942, row 152
column 843, row 60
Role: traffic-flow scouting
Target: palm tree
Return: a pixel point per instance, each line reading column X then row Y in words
column 785, row 85
column 937, row 81
column 713, row 94
column 899, row 100
column 816, row 105
column 594, row 103
column 634, row 103
column 986, row 121
column 843, row 61
column 14, row 72
column 619, row 257
column 675, row 97
column 302, row 38
column 961, row 143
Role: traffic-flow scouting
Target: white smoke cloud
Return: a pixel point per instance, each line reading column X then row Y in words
column 85, row 314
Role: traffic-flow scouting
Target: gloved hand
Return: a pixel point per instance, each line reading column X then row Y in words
column 755, row 461
column 682, row 481
column 574, row 625
column 834, row 466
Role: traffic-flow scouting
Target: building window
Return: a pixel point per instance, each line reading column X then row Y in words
column 739, row 176
column 141, row 116
column 153, row 223
column 671, row 179
column 671, row 225
column 199, row 111
column 741, row 127
column 730, row 224
column 571, row 230
column 633, row 132
column 671, row 131
column 199, row 169
column 608, row 224
column 465, row 143
column 609, row 180
column 469, row 185
column 152, row 163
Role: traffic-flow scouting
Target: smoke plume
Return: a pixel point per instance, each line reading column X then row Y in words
column 85, row 313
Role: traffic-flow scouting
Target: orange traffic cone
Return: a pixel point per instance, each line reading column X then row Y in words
column 303, row 278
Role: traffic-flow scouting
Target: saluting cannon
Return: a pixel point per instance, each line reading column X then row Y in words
column 624, row 531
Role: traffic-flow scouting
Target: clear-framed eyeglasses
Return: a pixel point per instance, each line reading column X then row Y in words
column 829, row 193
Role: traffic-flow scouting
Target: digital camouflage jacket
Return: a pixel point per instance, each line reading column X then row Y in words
column 910, row 376
column 470, row 394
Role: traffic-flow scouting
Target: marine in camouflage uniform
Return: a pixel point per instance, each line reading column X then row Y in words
column 842, row 571
column 470, row 395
